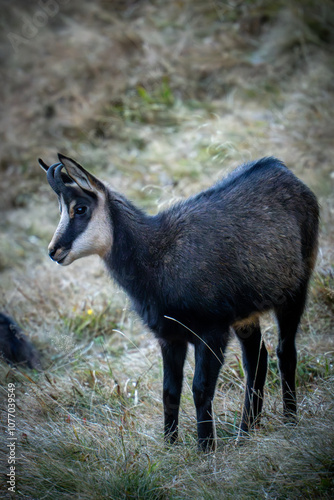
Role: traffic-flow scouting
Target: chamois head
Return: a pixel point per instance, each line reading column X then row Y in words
column 84, row 227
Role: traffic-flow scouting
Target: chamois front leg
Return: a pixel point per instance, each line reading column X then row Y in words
column 255, row 361
column 209, row 357
column 173, row 355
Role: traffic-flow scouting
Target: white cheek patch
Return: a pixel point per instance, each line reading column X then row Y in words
column 97, row 237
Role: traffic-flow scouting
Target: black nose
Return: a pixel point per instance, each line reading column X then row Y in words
column 52, row 253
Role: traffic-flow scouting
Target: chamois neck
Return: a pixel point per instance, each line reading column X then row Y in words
column 133, row 234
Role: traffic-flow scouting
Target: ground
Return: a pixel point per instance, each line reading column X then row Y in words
column 159, row 99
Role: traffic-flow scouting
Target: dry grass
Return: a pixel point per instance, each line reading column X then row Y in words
column 160, row 99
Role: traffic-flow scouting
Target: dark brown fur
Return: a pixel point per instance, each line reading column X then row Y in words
column 15, row 348
column 208, row 264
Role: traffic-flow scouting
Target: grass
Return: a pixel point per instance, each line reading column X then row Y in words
column 160, row 100
column 144, row 106
column 87, row 445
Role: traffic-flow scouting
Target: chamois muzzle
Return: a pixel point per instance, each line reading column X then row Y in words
column 58, row 254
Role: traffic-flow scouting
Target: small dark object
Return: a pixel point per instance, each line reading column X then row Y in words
column 208, row 264
column 14, row 345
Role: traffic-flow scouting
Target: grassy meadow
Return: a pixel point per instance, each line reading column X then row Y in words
column 159, row 99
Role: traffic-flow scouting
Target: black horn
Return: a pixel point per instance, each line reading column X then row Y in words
column 59, row 177
column 50, row 173
column 54, row 178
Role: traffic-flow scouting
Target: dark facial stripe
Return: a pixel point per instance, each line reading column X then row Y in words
column 76, row 225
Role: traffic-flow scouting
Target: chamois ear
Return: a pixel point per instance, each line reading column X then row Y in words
column 43, row 164
column 79, row 175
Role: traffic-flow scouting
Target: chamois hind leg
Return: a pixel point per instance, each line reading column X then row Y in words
column 254, row 355
column 173, row 355
column 288, row 317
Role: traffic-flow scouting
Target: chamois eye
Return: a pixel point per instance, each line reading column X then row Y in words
column 80, row 210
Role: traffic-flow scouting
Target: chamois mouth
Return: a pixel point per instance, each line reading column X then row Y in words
column 61, row 257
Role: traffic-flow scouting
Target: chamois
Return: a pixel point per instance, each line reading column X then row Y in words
column 201, row 268
column 15, row 347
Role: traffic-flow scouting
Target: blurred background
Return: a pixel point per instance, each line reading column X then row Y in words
column 171, row 95
column 160, row 99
